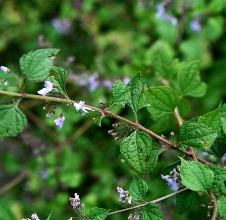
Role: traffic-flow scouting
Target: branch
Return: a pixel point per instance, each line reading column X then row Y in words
column 103, row 112
column 215, row 211
column 146, row 203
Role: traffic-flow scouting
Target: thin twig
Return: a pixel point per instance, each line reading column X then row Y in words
column 14, row 182
column 146, row 203
column 103, row 112
column 215, row 211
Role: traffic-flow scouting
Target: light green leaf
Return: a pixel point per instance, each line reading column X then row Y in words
column 189, row 80
column 50, row 214
column 154, row 158
column 161, row 101
column 120, row 93
column 221, row 205
column 98, row 213
column 218, row 186
column 35, row 65
column 136, row 150
column 61, row 76
column 212, row 120
column 13, row 120
column 196, row 176
column 193, row 134
column 138, row 189
column 152, row 212
column 136, row 101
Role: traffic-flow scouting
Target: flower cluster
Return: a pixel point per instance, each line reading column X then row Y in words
column 163, row 15
column 48, row 87
column 75, row 202
column 93, row 81
column 34, row 216
column 134, row 217
column 172, row 179
column 124, row 195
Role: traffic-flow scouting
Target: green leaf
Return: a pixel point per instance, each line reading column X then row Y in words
column 136, row 150
column 196, row 176
column 35, row 65
column 189, row 80
column 193, row 134
column 13, row 120
column 212, row 120
column 221, row 205
column 161, row 101
column 120, row 93
column 136, row 101
column 153, row 159
column 98, row 213
column 61, row 76
column 50, row 214
column 138, row 189
column 219, row 183
column 152, row 212
column 57, row 89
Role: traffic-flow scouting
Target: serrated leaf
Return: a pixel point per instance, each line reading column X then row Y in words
column 138, row 189
column 161, row 101
column 196, row 176
column 136, row 100
column 196, row 135
column 61, row 76
column 120, row 93
column 189, row 80
column 212, row 120
column 219, row 183
column 152, row 212
column 35, row 65
column 57, row 89
column 221, row 205
column 13, row 120
column 98, row 213
column 154, row 158
column 136, row 150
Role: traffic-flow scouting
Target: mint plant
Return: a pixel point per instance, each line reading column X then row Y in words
column 191, row 177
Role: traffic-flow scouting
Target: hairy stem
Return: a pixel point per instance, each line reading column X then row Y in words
column 146, row 203
column 103, row 112
column 215, row 211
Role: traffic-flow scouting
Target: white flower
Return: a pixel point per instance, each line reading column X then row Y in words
column 4, row 69
column 81, row 106
column 75, row 202
column 48, row 87
column 59, row 122
column 34, row 216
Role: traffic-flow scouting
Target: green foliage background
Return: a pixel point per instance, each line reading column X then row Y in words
column 116, row 39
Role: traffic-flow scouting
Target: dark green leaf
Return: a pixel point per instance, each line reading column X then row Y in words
column 152, row 212
column 136, row 150
column 98, row 213
column 221, row 205
column 196, row 135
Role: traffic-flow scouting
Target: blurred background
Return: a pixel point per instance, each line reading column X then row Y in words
column 100, row 41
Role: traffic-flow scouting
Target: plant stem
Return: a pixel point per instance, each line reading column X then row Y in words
column 146, row 203
column 103, row 112
column 215, row 211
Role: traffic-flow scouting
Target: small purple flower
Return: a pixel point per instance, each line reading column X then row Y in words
column 124, row 195
column 62, row 25
column 93, row 82
column 4, row 69
column 107, row 83
column 34, row 216
column 163, row 15
column 195, row 25
column 126, row 80
column 172, row 180
column 48, row 87
column 75, row 202
column 223, row 159
column 59, row 122
column 134, row 217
